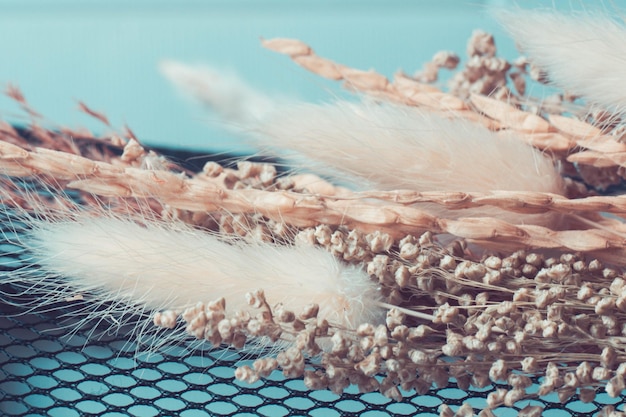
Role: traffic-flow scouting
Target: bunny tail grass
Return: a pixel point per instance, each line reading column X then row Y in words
column 393, row 147
column 368, row 145
column 170, row 266
column 223, row 92
column 583, row 54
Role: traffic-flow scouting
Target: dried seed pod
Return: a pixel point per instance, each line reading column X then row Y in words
column 519, row 381
column 605, row 306
column 496, row 398
column 498, row 371
column 370, row 366
column 565, row 394
column 447, row 263
column 615, row 386
column 246, row 374
column 530, row 411
column 445, row 411
column 493, row 262
column 600, row 373
column 608, row 357
column 583, row 372
column 465, row 410
column 514, row 396
column 587, row 395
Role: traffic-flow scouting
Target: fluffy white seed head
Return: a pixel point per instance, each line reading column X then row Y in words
column 584, row 54
column 172, row 266
column 369, row 145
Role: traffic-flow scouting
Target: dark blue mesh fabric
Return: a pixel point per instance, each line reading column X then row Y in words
column 45, row 372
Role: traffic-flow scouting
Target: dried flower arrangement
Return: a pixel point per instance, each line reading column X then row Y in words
column 425, row 282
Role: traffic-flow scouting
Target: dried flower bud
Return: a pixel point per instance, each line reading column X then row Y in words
column 605, row 305
column 615, row 386
column 454, row 344
column 583, row 372
column 485, row 412
column 595, row 266
column 381, row 338
column 309, row 311
column 519, row 381
column 498, row 371
column 608, row 357
column 549, row 329
column 514, row 396
column 370, row 366
column 379, row 242
column 447, row 263
column 402, row 276
column 530, row 411
column 255, row 299
column 570, row 380
column 166, row 319
column 480, row 380
column 522, row 295
column 378, row 267
column 446, row 59
column 482, row 298
column 284, row 316
column 587, row 395
column 246, row 374
column 445, row 411
column 394, row 318
column 493, row 262
column 565, row 394
column 409, row 249
column 340, row 342
column 400, row 333
column 315, row 381
column 496, row 398
column 492, row 277
column 600, row 373
column 465, row 410
column 445, row 314
column 529, row 271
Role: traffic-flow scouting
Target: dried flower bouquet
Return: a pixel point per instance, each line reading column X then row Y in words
column 480, row 298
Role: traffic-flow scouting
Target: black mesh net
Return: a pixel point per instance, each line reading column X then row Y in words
column 48, row 370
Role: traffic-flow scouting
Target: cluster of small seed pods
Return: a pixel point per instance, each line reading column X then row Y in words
column 486, row 74
column 480, row 319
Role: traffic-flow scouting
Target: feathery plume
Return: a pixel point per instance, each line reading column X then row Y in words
column 584, row 54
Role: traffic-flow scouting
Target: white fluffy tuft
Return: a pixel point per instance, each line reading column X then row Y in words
column 391, row 147
column 387, row 147
column 583, row 54
column 172, row 266
column 223, row 92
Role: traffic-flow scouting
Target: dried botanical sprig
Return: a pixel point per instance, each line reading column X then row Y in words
column 558, row 135
column 504, row 304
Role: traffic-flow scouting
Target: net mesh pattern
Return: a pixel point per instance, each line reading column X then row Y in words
column 43, row 372
column 46, row 371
